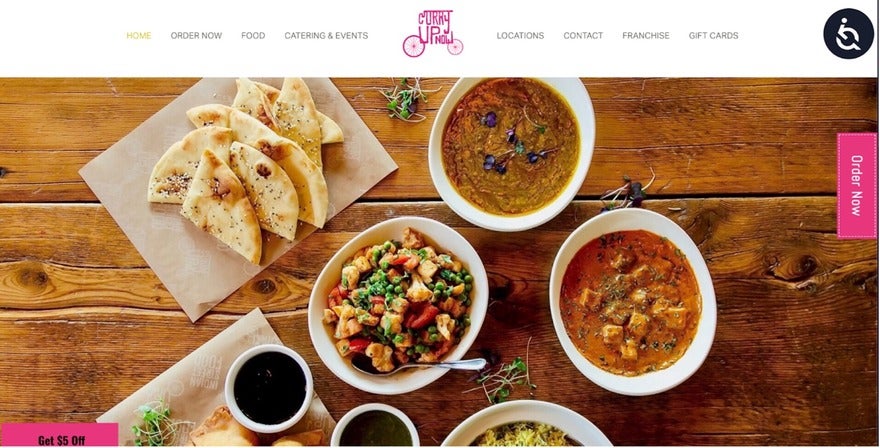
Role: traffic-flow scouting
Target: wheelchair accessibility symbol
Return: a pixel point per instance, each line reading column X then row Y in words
column 846, row 33
column 849, row 33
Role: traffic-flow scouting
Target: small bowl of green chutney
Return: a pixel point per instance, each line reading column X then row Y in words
column 375, row 424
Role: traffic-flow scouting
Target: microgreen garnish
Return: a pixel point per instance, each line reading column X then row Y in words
column 157, row 427
column 540, row 127
column 403, row 99
column 498, row 379
column 518, row 147
column 630, row 194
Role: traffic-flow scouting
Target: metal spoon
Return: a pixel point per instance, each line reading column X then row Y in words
column 364, row 363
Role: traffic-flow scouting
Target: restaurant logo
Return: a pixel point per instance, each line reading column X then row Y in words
column 849, row 33
column 434, row 29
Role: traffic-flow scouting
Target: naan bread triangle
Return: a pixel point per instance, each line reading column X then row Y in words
column 268, row 187
column 307, row 178
column 217, row 203
column 251, row 100
column 331, row 132
column 297, row 117
column 174, row 171
column 271, row 92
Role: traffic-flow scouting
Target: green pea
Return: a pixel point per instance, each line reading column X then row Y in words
column 432, row 329
column 434, row 337
column 398, row 289
column 385, row 265
column 390, row 288
column 468, row 279
column 396, row 280
column 468, row 287
column 387, row 245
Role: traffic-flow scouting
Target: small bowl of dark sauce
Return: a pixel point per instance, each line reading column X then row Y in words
column 269, row 388
column 375, row 424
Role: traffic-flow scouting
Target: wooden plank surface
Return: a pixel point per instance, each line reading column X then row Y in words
column 745, row 166
column 701, row 137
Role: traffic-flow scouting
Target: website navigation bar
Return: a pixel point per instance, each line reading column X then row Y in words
column 345, row 38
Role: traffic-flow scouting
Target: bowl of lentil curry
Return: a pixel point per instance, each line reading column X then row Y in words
column 632, row 302
column 509, row 154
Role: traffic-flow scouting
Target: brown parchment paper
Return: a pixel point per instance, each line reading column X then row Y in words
column 193, row 387
column 197, row 269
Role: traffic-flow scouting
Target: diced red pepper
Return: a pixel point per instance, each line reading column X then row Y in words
column 358, row 345
column 412, row 263
column 412, row 311
column 400, row 259
column 337, row 295
column 424, row 317
column 377, row 300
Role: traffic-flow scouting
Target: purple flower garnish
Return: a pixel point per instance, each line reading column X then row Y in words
column 636, row 193
column 489, row 163
column 501, row 168
column 533, row 158
column 489, row 120
column 413, row 106
column 511, row 136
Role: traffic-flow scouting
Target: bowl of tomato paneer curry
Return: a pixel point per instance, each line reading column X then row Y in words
column 509, row 154
column 406, row 290
column 632, row 302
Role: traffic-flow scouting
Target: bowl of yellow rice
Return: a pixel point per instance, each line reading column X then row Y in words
column 526, row 423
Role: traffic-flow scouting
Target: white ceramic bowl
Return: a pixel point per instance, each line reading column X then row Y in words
column 336, row 437
column 408, row 380
column 681, row 370
column 229, row 389
column 574, row 92
column 573, row 424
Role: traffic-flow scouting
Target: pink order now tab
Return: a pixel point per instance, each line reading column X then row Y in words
column 59, row 434
column 857, row 186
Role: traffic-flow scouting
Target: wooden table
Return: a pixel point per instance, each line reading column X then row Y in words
column 745, row 166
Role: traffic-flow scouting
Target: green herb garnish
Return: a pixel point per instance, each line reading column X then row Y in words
column 157, row 427
column 498, row 383
column 403, row 99
column 630, row 194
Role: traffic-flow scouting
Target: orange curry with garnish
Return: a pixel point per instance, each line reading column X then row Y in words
column 630, row 302
column 511, row 146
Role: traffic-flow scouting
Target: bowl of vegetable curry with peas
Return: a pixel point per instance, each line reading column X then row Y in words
column 407, row 290
column 632, row 302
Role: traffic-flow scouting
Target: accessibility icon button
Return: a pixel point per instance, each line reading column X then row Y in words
column 849, row 33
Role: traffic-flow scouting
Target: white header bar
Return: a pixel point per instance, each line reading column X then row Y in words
column 770, row 38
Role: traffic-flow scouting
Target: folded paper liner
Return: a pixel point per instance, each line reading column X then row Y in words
column 193, row 387
column 197, row 269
